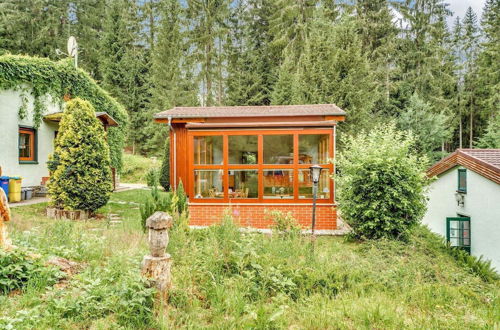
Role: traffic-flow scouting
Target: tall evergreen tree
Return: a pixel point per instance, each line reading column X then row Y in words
column 251, row 64
column 488, row 64
column 90, row 16
column 207, row 19
column 124, row 64
column 172, row 81
column 470, row 51
column 34, row 27
column 332, row 69
column 425, row 65
column 378, row 34
column 290, row 26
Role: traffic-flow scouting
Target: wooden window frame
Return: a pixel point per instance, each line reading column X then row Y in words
column 32, row 159
column 461, row 220
column 260, row 166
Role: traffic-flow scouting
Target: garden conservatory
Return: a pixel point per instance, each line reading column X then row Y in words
column 251, row 160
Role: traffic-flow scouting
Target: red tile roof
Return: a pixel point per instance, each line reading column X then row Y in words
column 485, row 162
column 253, row 111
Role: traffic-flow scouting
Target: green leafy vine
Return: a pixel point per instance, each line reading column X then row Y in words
column 43, row 78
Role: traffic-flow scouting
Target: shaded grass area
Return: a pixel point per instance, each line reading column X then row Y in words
column 135, row 168
column 227, row 279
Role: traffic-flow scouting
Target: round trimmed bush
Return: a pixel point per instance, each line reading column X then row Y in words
column 382, row 183
column 81, row 174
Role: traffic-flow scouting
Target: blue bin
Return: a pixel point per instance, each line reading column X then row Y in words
column 4, row 184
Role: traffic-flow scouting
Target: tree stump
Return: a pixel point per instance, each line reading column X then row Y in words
column 156, row 266
column 56, row 213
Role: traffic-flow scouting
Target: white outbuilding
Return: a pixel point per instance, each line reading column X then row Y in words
column 464, row 202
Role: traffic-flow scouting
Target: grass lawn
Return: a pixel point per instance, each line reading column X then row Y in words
column 135, row 168
column 227, row 279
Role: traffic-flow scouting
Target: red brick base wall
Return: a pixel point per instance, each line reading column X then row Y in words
column 254, row 215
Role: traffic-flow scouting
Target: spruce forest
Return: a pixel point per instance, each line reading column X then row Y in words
column 379, row 60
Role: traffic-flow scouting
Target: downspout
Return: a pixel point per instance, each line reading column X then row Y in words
column 175, row 151
column 334, row 163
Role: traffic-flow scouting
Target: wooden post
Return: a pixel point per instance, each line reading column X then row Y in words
column 156, row 266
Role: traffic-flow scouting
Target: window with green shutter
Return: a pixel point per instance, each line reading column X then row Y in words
column 462, row 180
column 458, row 232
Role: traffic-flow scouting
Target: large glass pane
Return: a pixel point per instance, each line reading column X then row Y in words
column 24, row 145
column 313, row 148
column 208, row 184
column 243, row 184
column 306, row 184
column 278, row 149
column 208, row 150
column 243, row 149
column 278, row 183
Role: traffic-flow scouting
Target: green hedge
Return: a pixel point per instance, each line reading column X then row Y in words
column 41, row 77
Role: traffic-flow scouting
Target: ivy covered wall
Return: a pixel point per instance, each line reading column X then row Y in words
column 41, row 77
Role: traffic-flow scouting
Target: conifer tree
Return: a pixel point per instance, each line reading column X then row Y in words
column 165, row 167
column 424, row 63
column 429, row 127
column 378, row 33
column 470, row 51
column 35, row 27
column 90, row 17
column 488, row 63
column 206, row 23
column 80, row 166
column 332, row 69
column 124, row 63
column 171, row 78
column 251, row 66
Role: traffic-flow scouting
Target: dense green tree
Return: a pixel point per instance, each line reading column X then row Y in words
column 378, row 34
column 470, row 50
column 207, row 20
column 80, row 166
column 251, row 64
column 165, row 167
column 429, row 127
column 382, row 182
column 125, row 65
column 491, row 137
column 290, row 26
column 332, row 69
column 171, row 74
column 488, row 63
column 34, row 27
column 424, row 62
column 89, row 16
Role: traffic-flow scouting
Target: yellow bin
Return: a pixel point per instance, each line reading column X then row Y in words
column 15, row 189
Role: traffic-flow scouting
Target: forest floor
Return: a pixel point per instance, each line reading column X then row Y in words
column 223, row 278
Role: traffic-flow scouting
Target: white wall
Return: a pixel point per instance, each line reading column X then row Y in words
column 10, row 102
column 482, row 205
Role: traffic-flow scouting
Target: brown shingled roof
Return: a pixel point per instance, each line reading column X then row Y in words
column 485, row 162
column 253, row 111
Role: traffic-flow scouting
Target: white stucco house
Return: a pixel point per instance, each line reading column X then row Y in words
column 464, row 202
column 25, row 148
column 33, row 92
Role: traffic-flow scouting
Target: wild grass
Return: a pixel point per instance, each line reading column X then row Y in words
column 227, row 279
column 136, row 167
